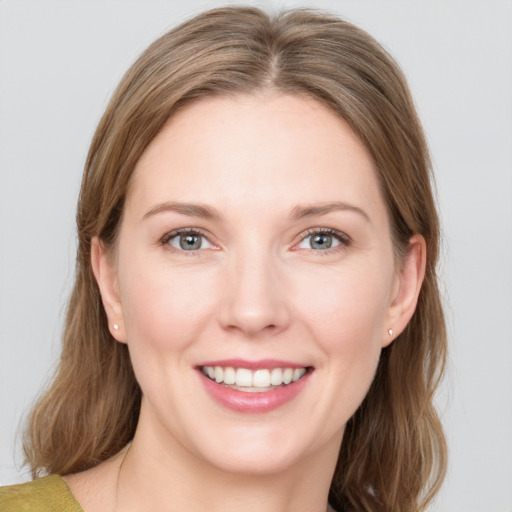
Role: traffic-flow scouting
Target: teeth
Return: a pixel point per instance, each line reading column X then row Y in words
column 261, row 378
column 229, row 376
column 297, row 374
column 287, row 375
column 276, row 377
column 243, row 377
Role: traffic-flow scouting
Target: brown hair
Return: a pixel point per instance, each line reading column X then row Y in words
column 393, row 454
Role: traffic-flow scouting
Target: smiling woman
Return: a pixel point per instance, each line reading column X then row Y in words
column 256, row 305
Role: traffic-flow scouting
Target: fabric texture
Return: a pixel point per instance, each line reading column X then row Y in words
column 47, row 494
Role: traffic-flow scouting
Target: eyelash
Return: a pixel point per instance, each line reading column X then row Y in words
column 343, row 239
column 179, row 232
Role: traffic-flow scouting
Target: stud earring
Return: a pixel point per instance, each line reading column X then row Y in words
column 115, row 327
column 390, row 332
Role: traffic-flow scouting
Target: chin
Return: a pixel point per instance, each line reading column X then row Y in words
column 263, row 451
column 254, row 464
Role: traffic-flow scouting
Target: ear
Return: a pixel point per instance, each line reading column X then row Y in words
column 406, row 289
column 106, row 276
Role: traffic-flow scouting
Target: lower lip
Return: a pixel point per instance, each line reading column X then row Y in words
column 255, row 403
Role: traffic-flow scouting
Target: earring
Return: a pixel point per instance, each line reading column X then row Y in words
column 115, row 327
column 390, row 332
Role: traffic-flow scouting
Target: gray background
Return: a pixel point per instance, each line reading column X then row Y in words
column 59, row 62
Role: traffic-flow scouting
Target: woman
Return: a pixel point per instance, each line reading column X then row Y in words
column 255, row 321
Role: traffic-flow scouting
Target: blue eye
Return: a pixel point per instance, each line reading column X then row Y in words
column 323, row 240
column 187, row 241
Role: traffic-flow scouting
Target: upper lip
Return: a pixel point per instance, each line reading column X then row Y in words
column 253, row 365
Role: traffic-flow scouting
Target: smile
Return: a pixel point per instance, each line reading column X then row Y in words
column 253, row 381
column 253, row 387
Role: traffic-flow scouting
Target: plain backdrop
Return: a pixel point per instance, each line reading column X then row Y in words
column 59, row 63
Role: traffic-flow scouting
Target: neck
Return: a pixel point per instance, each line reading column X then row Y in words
column 167, row 476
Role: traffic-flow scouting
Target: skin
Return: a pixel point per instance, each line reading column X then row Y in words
column 257, row 289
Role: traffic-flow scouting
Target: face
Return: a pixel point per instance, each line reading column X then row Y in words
column 253, row 281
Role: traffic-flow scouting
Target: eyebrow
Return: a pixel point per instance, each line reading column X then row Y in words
column 190, row 209
column 299, row 212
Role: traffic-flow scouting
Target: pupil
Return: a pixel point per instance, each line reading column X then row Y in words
column 321, row 242
column 190, row 242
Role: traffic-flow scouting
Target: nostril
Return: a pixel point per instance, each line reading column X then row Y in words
column 252, row 302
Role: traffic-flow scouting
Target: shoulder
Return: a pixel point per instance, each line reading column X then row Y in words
column 48, row 494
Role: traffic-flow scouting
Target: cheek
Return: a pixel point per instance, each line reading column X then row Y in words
column 165, row 308
column 164, row 313
column 348, row 307
column 349, row 323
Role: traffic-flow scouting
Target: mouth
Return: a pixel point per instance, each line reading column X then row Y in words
column 254, row 387
column 253, row 381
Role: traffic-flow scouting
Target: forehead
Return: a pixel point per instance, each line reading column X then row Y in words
column 253, row 152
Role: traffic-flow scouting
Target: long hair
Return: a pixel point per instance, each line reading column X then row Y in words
column 393, row 454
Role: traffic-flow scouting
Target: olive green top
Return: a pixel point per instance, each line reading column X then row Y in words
column 48, row 494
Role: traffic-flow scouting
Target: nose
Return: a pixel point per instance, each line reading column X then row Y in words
column 254, row 298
